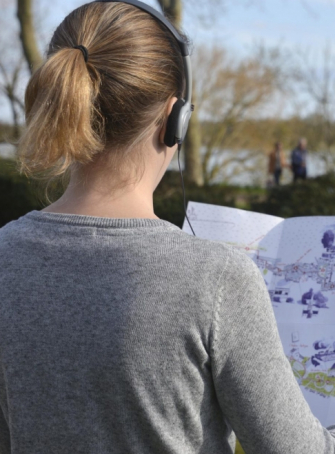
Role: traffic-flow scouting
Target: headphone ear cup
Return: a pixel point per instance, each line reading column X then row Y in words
column 172, row 123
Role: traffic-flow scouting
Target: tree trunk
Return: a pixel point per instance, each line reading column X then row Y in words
column 16, row 129
column 192, row 143
column 172, row 9
column 192, row 146
column 27, row 34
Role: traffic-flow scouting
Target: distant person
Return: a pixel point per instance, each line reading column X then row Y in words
column 298, row 160
column 277, row 162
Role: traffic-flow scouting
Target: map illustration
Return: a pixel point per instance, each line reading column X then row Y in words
column 320, row 273
column 316, row 372
column 297, row 260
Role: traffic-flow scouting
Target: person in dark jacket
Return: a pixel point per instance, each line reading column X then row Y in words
column 298, row 160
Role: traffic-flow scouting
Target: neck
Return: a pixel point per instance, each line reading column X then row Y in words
column 91, row 200
column 90, row 193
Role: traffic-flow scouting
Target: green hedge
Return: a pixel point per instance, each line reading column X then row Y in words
column 312, row 197
column 169, row 200
column 17, row 194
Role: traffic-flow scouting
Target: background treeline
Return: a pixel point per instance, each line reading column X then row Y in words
column 243, row 106
column 244, row 103
column 315, row 196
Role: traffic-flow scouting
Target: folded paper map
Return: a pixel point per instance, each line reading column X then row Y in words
column 296, row 257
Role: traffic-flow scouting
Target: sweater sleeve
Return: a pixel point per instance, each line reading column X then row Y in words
column 258, row 393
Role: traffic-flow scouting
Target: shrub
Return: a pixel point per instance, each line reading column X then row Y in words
column 169, row 201
column 17, row 194
column 312, row 197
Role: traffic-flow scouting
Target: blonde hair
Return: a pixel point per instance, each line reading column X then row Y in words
column 77, row 111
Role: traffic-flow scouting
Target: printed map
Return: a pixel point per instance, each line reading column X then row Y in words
column 297, row 260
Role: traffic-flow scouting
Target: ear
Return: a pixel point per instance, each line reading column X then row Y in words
column 168, row 112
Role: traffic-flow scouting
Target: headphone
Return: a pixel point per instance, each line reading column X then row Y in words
column 179, row 118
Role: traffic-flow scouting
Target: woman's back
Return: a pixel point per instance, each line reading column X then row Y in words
column 130, row 336
column 104, row 336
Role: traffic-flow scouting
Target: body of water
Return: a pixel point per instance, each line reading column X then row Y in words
column 7, row 150
column 315, row 167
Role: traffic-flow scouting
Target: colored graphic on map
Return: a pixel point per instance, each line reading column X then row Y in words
column 287, row 279
column 316, row 372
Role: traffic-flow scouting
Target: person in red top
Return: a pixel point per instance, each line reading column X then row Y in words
column 277, row 162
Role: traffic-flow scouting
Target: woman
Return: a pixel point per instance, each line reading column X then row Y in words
column 277, row 162
column 120, row 333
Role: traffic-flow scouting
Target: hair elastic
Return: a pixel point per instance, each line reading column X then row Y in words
column 84, row 51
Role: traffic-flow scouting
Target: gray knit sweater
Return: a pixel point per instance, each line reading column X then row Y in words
column 130, row 336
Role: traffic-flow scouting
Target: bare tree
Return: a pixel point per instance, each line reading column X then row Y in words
column 27, row 34
column 229, row 94
column 173, row 9
column 8, row 87
column 192, row 143
column 12, row 71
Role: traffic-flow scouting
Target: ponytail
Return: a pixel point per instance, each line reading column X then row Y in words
column 63, row 125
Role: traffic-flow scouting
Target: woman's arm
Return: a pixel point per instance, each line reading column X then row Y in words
column 255, row 385
column 4, row 435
